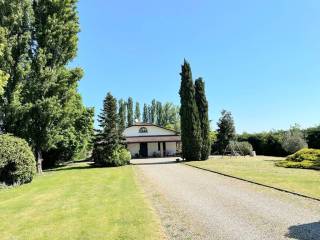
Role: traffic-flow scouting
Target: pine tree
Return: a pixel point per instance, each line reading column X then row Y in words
column 226, row 131
column 190, row 123
column 202, row 105
column 122, row 116
column 145, row 113
column 130, row 112
column 107, row 140
column 137, row 113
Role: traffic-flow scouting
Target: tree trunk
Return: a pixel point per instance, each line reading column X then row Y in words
column 39, row 161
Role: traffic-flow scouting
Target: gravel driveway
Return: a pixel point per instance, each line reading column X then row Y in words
column 195, row 204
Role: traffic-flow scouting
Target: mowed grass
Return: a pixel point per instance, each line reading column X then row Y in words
column 78, row 202
column 261, row 169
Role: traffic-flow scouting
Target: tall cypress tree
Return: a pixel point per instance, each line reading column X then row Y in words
column 130, row 112
column 122, row 116
column 137, row 113
column 153, row 111
column 226, row 131
column 107, row 140
column 202, row 104
column 159, row 114
column 145, row 113
column 3, row 75
column 190, row 123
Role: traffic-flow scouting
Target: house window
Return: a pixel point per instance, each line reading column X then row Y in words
column 143, row 130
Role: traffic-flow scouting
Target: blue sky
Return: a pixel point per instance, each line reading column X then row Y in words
column 259, row 59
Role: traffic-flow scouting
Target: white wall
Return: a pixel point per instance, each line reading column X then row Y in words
column 152, row 130
column 171, row 148
column 152, row 148
column 134, row 148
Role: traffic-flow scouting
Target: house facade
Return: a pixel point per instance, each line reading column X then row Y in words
column 149, row 140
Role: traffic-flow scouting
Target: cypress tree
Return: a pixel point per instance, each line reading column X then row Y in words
column 153, row 111
column 159, row 114
column 107, row 140
column 130, row 112
column 202, row 105
column 145, row 113
column 226, row 131
column 190, row 123
column 122, row 116
column 137, row 114
column 3, row 75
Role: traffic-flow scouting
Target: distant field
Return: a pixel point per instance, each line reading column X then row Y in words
column 261, row 169
column 78, row 202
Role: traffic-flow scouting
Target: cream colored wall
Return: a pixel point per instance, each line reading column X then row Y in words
column 152, row 148
column 152, row 131
column 134, row 148
column 171, row 148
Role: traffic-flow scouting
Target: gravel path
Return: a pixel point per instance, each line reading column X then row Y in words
column 195, row 204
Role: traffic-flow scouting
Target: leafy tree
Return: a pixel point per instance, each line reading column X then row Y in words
column 145, row 116
column 202, row 104
column 16, row 21
column 137, row 114
column 130, row 112
column 313, row 137
column 3, row 75
column 226, row 131
column 122, row 116
column 190, row 123
column 293, row 140
column 107, row 139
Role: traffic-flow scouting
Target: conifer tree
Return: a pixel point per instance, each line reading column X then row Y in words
column 202, row 105
column 137, row 113
column 3, row 75
column 122, row 116
column 159, row 114
column 190, row 123
column 226, row 131
column 153, row 111
column 130, row 112
column 107, row 140
column 145, row 113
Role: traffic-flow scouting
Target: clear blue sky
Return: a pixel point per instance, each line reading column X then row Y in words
column 259, row 59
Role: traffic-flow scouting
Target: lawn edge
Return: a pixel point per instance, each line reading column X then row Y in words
column 253, row 182
column 148, row 202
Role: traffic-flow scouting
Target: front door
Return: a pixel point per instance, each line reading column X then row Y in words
column 144, row 149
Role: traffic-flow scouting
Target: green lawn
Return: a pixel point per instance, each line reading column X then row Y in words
column 78, row 202
column 261, row 169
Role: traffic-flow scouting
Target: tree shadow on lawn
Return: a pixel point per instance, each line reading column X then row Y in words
column 67, row 168
column 309, row 231
column 154, row 163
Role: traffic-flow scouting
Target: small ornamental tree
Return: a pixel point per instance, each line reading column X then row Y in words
column 226, row 131
column 130, row 112
column 190, row 123
column 293, row 140
column 202, row 104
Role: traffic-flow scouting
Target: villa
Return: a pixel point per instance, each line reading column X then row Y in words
column 149, row 140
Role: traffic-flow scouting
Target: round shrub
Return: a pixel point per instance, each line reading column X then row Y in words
column 17, row 162
column 242, row 148
column 119, row 157
column 124, row 155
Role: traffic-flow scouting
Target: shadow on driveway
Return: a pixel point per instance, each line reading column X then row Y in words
column 309, row 231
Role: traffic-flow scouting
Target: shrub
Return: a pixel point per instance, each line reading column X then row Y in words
column 243, row 148
column 293, row 140
column 119, row 157
column 17, row 162
column 305, row 158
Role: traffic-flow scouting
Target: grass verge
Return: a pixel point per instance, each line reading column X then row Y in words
column 262, row 169
column 78, row 202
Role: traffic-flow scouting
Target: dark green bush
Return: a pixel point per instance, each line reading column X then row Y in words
column 305, row 158
column 17, row 162
column 120, row 157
